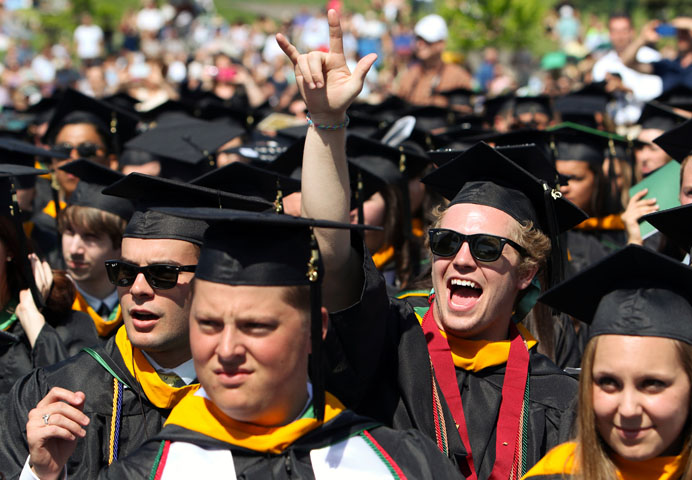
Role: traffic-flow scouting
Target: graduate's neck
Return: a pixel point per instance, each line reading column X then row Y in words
column 100, row 289
column 170, row 358
column 281, row 412
column 496, row 330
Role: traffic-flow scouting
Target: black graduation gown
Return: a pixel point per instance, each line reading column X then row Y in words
column 61, row 337
column 380, row 368
column 585, row 248
column 140, row 419
column 417, row 457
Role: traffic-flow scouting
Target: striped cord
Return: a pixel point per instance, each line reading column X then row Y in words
column 392, row 466
column 438, row 416
column 519, row 464
column 115, row 421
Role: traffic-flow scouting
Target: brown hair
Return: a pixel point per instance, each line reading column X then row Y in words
column 62, row 291
column 536, row 243
column 592, row 455
column 93, row 221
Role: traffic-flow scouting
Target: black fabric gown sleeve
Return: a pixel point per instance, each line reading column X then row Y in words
column 63, row 337
column 139, row 419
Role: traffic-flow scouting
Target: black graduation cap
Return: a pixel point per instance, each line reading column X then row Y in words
column 483, row 176
column 634, row 291
column 677, row 142
column 675, row 223
column 525, row 136
column 117, row 122
column 252, row 181
column 134, row 156
column 431, row 117
column 680, row 96
column 577, row 142
column 659, row 116
column 122, row 100
column 259, row 151
column 42, row 111
column 93, row 178
column 460, row 96
column 10, row 209
column 498, row 105
column 241, row 248
column 290, row 161
column 19, row 152
column 210, row 106
column 533, row 104
column 292, row 134
column 150, row 192
column 190, row 143
column 581, row 105
column 168, row 108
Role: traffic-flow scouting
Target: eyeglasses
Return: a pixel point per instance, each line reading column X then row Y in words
column 85, row 149
column 484, row 247
column 161, row 276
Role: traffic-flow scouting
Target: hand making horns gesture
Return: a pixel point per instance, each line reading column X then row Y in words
column 325, row 82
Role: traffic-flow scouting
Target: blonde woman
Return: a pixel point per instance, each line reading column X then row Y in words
column 634, row 390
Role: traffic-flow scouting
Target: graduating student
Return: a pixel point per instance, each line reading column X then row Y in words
column 488, row 399
column 121, row 393
column 256, row 329
column 636, row 378
column 91, row 227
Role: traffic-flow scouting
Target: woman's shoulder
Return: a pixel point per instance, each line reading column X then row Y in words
column 557, row 463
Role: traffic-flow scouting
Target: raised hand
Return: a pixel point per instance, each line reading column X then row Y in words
column 53, row 429
column 325, row 82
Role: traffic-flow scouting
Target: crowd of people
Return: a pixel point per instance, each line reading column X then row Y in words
column 328, row 248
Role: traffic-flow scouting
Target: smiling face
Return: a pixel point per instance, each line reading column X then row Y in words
column 474, row 299
column 156, row 320
column 250, row 347
column 641, row 395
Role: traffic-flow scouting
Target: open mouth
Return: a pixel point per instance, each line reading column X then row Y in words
column 144, row 316
column 463, row 293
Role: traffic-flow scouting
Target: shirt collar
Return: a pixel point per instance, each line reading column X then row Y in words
column 111, row 300
column 186, row 370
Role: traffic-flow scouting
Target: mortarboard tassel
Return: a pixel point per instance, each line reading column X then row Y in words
column 315, row 366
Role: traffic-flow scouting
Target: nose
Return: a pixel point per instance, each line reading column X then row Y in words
column 463, row 258
column 230, row 347
column 73, row 153
column 630, row 404
column 140, row 287
column 75, row 244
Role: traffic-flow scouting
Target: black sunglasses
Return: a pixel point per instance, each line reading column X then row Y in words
column 161, row 276
column 484, row 247
column 85, row 149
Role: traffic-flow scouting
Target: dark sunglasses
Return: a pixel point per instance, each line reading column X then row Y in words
column 484, row 247
column 161, row 276
column 85, row 149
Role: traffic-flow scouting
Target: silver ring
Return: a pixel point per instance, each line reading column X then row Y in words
column 45, row 418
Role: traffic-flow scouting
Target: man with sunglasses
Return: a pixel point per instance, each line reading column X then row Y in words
column 111, row 398
column 504, row 404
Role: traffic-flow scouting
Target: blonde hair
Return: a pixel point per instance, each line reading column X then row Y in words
column 592, row 457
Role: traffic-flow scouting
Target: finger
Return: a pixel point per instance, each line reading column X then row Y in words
column 47, row 273
column 640, row 193
column 316, row 62
column 58, row 394
column 363, row 66
column 58, row 408
column 305, row 71
column 56, row 422
column 288, row 48
column 336, row 37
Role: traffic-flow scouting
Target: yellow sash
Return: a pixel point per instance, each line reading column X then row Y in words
column 562, row 460
column 383, row 255
column 103, row 327
column 611, row 222
column 157, row 391
column 475, row 355
column 201, row 415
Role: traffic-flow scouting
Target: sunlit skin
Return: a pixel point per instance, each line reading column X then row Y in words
column 641, row 395
column 686, row 185
column 650, row 157
column 75, row 134
column 621, row 33
column 374, row 210
column 85, row 252
column 152, row 168
column 157, row 320
column 579, row 189
column 470, row 315
column 429, row 52
column 250, row 348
